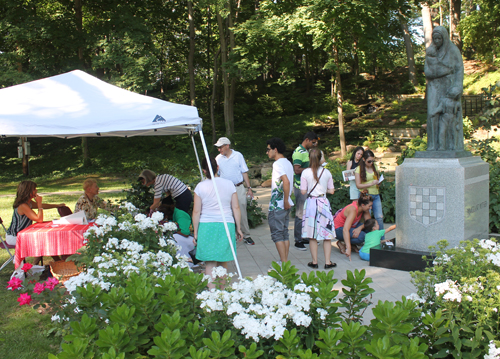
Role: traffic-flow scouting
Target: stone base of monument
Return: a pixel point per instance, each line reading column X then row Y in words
column 399, row 259
column 441, row 198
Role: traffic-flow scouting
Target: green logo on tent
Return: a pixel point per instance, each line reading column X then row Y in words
column 158, row 118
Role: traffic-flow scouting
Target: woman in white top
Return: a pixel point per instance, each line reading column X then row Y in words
column 209, row 233
column 351, row 165
column 317, row 221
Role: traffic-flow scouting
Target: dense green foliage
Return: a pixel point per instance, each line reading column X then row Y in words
column 165, row 318
column 459, row 296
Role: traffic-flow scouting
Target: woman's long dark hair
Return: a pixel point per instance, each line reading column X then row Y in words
column 362, row 166
column 204, row 166
column 24, row 191
column 353, row 156
column 315, row 161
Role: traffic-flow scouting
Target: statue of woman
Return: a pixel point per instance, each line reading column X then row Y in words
column 444, row 71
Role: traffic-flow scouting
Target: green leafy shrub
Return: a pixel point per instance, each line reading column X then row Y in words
column 416, row 144
column 484, row 149
column 341, row 197
column 387, row 192
column 175, row 318
column 140, row 196
column 379, row 138
column 468, row 127
column 494, row 208
column 255, row 214
column 459, row 295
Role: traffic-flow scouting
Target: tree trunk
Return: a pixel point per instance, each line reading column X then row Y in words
column 192, row 94
column 412, row 72
column 355, row 67
column 79, row 28
column 426, row 18
column 338, row 85
column 455, row 9
column 85, row 151
column 440, row 14
column 26, row 158
column 232, row 45
column 225, row 75
column 214, row 94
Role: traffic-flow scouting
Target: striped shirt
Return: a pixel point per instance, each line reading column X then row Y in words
column 166, row 183
column 18, row 223
column 232, row 167
column 300, row 157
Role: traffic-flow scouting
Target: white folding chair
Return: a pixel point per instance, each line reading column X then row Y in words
column 7, row 247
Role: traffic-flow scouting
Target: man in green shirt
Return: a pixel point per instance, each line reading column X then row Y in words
column 300, row 159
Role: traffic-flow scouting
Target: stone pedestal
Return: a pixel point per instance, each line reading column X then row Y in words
column 441, row 198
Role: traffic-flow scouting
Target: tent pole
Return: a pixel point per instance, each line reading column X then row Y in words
column 220, row 204
column 197, row 157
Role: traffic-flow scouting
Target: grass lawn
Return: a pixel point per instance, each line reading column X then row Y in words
column 22, row 329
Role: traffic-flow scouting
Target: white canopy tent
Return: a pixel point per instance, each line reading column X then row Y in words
column 76, row 104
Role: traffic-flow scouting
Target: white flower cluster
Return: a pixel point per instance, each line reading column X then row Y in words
column 450, row 290
column 262, row 307
column 123, row 257
column 442, row 259
column 415, row 297
column 493, row 352
column 454, row 291
column 489, row 244
column 129, row 207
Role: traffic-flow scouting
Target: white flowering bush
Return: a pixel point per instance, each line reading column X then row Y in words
column 460, row 296
column 281, row 315
column 126, row 243
column 263, row 307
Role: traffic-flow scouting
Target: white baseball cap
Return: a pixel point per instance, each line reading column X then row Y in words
column 222, row 141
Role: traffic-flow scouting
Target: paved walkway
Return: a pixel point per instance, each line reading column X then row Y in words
column 254, row 260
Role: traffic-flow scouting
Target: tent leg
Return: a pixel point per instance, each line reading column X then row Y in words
column 197, row 157
column 220, row 204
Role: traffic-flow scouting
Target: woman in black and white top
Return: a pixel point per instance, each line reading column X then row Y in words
column 23, row 216
column 170, row 185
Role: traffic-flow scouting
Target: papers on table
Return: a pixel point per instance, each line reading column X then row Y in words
column 75, row 218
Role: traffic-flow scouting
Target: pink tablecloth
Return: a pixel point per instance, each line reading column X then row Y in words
column 47, row 239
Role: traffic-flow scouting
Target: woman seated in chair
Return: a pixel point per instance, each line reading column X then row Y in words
column 90, row 202
column 23, row 216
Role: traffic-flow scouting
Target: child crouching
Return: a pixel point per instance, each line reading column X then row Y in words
column 372, row 238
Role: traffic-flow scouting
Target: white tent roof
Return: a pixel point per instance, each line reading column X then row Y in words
column 77, row 104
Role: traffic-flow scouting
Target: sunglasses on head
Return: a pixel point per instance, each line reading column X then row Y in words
column 370, row 161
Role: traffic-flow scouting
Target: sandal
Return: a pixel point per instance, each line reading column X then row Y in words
column 331, row 265
column 341, row 246
column 355, row 249
column 312, row 265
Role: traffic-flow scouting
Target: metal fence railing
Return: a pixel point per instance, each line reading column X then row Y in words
column 472, row 104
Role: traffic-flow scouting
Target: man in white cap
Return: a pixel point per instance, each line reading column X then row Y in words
column 232, row 166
